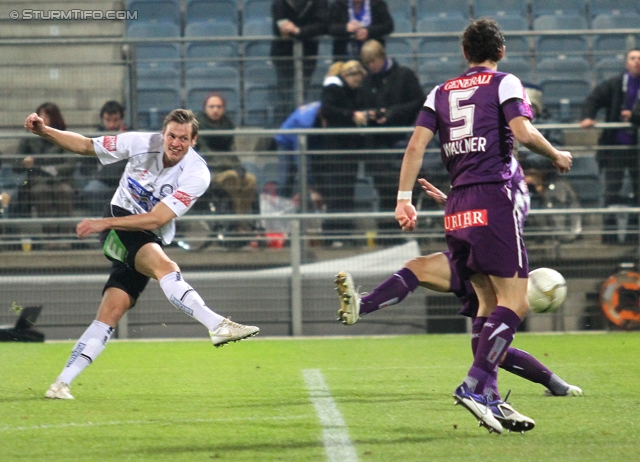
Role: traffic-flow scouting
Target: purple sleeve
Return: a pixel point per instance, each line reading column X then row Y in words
column 516, row 108
column 427, row 119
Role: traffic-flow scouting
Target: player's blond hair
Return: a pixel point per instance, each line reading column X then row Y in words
column 182, row 117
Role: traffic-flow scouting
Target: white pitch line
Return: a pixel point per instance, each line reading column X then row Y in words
column 335, row 435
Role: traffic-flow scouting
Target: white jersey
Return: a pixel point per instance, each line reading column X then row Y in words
column 145, row 180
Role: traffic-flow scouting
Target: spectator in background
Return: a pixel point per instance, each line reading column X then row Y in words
column 48, row 188
column 336, row 175
column 393, row 97
column 303, row 20
column 232, row 188
column 352, row 22
column 306, row 116
column 97, row 182
column 617, row 96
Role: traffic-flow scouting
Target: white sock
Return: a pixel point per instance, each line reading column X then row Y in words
column 86, row 350
column 186, row 299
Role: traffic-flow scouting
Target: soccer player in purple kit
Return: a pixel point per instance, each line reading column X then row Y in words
column 435, row 272
column 478, row 114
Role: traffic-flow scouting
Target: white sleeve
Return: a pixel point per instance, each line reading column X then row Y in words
column 511, row 87
column 192, row 184
column 430, row 102
column 112, row 148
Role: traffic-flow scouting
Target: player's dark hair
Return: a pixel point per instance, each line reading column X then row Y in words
column 182, row 117
column 482, row 41
column 112, row 107
column 211, row 95
column 55, row 116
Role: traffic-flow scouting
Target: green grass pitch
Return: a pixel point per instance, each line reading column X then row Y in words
column 186, row 401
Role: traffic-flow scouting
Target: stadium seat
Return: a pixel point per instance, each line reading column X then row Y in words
column 260, row 104
column 211, row 11
column 401, row 50
column 400, row 9
column 203, row 54
column 441, row 46
column 433, row 72
column 585, row 179
column 519, row 67
column 563, row 67
column 500, row 8
column 606, row 44
column 402, row 25
column 154, row 104
column 256, row 10
column 152, row 78
column 549, row 45
column 617, row 7
column 442, row 9
column 554, row 7
column 608, row 67
column 516, row 45
column 155, row 11
column 565, row 84
column 160, row 55
column 257, row 48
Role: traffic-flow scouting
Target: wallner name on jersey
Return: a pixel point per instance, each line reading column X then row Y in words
column 146, row 181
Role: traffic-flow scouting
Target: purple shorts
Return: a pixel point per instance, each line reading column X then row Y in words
column 483, row 224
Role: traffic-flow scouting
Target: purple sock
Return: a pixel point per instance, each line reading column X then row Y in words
column 390, row 292
column 492, row 383
column 496, row 336
column 524, row 365
column 476, row 328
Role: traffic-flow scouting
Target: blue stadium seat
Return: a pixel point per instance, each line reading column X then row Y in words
column 160, row 55
column 260, row 104
column 516, row 45
column 441, row 46
column 499, row 8
column 439, row 8
column 401, row 50
column 224, row 80
column 155, row 11
column 154, row 78
column 606, row 44
column 563, row 67
column 399, row 9
column 555, row 7
column 557, row 44
column 256, row 10
column 154, row 104
column 203, row 54
column 211, row 10
column 257, row 48
column 619, row 7
column 402, row 25
column 585, row 179
column 519, row 67
column 433, row 72
column 608, row 67
column 564, row 97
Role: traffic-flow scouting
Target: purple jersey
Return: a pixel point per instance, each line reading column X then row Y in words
column 472, row 114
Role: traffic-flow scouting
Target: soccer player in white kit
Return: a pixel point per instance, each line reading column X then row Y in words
column 162, row 180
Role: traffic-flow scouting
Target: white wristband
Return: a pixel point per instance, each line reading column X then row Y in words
column 404, row 195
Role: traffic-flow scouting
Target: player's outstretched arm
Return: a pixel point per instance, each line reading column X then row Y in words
column 159, row 216
column 530, row 137
column 69, row 141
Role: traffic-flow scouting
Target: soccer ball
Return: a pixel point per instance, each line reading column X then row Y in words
column 547, row 290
